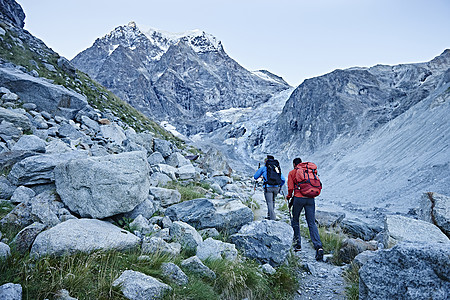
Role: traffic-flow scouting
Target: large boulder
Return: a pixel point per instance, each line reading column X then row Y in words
column 16, row 118
column 266, row 241
column 138, row 286
column 82, row 235
column 25, row 238
column 350, row 248
column 222, row 214
column 215, row 249
column 186, row 235
column 435, row 208
column 358, row 228
column 49, row 97
column 29, row 143
column 215, row 163
column 39, row 169
column 399, row 228
column 407, row 271
column 100, row 187
column 165, row 197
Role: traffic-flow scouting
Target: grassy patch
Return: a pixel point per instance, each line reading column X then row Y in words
column 351, row 277
column 188, row 191
column 5, row 208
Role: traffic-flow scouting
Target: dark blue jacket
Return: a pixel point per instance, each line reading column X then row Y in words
column 263, row 172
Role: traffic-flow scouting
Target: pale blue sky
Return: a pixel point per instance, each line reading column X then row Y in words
column 293, row 39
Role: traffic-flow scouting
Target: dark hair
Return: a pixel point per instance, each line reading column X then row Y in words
column 270, row 157
column 296, row 161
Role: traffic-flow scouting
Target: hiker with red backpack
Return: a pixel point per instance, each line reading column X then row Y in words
column 273, row 181
column 303, row 186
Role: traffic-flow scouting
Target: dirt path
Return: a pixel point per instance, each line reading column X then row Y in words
column 318, row 280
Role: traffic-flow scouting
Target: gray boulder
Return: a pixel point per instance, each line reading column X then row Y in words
column 84, row 235
column 22, row 194
column 104, row 186
column 362, row 258
column 162, row 146
column 352, row 247
column 5, row 251
column 435, row 208
column 186, row 172
column 141, row 224
column 146, row 209
column 266, row 241
column 407, row 271
column 25, row 238
column 49, row 97
column 17, row 119
column 360, row 229
column 114, row 133
column 158, row 245
column 11, row 291
column 166, row 169
column 329, row 218
column 8, row 131
column 138, row 286
column 174, row 274
column 155, row 158
column 186, row 235
column 215, row 249
column 39, row 169
column 399, row 228
column 222, row 214
column 177, row 160
column 165, row 197
column 57, row 146
column 194, row 265
column 159, row 179
column 215, row 163
column 6, row 188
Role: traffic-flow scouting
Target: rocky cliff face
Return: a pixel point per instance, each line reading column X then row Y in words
column 11, row 12
column 176, row 78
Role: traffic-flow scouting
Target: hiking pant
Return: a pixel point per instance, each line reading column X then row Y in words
column 297, row 207
column 270, row 193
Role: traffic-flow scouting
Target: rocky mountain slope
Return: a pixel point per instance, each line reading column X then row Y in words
column 177, row 78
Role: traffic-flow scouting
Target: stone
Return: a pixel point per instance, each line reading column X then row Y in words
column 17, row 119
column 162, row 146
column 84, row 235
column 146, row 209
column 407, row 271
column 57, row 146
column 268, row 269
column 362, row 258
column 144, row 139
column 165, row 197
column 360, row 229
column 223, row 214
column 194, row 264
column 63, row 295
column 155, row 158
column 435, row 208
column 174, row 273
column 159, row 179
column 71, row 132
column 11, row 291
column 114, row 133
column 186, row 172
column 177, row 160
column 8, row 131
column 167, row 170
column 100, row 187
column 29, row 143
column 6, row 188
column 39, row 169
column 49, row 97
column 25, row 238
column 215, row 164
column 138, row 286
column 5, row 251
column 9, row 97
column 352, row 247
column 158, row 244
column 209, row 232
column 186, row 235
column 141, row 224
column 266, row 241
column 215, row 249
column 329, row 218
column 399, row 228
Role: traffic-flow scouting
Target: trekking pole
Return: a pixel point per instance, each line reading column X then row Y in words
column 284, row 196
column 256, row 180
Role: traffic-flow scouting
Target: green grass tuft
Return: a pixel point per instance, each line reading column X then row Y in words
column 351, row 277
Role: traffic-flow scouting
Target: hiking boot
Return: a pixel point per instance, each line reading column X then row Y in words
column 297, row 248
column 319, row 254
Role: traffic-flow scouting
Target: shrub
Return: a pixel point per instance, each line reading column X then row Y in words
column 351, row 277
column 192, row 190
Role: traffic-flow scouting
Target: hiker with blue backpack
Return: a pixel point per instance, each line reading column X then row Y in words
column 273, row 181
column 303, row 186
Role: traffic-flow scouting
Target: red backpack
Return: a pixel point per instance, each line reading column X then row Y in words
column 307, row 180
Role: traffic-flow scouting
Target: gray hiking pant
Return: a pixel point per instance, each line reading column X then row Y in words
column 310, row 207
column 270, row 193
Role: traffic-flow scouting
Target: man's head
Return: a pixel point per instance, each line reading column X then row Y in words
column 270, row 157
column 296, row 161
